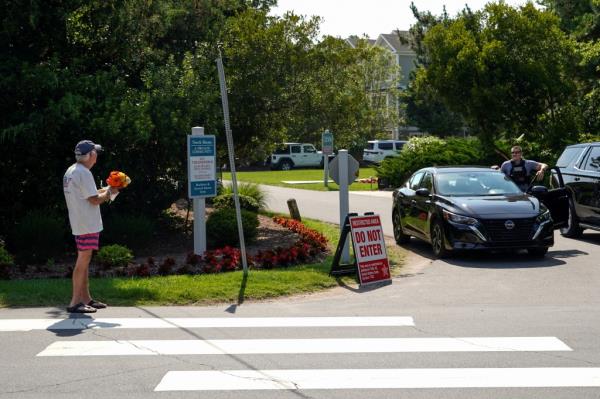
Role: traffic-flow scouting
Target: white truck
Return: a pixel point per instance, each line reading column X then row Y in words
column 295, row 155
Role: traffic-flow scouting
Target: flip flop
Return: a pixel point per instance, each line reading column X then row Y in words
column 80, row 308
column 96, row 304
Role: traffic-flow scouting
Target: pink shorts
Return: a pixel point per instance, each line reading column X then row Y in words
column 86, row 242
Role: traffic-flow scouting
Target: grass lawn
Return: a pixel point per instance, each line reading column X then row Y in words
column 276, row 178
column 191, row 290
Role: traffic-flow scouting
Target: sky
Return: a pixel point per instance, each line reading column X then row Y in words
column 371, row 17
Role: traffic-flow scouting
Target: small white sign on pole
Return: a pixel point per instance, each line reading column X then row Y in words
column 326, row 149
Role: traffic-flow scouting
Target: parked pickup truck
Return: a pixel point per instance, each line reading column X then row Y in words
column 295, row 155
column 578, row 170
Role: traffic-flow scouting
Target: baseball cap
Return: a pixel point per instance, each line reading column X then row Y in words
column 85, row 146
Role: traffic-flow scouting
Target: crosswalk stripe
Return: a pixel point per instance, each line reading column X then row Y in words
column 231, row 380
column 304, row 346
column 208, row 322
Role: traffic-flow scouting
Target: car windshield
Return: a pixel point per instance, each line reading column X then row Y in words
column 466, row 184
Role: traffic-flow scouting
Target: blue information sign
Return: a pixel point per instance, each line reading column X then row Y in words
column 202, row 166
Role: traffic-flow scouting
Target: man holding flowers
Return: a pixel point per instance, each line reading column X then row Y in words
column 83, row 202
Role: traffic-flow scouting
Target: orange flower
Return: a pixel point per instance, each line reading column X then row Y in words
column 118, row 179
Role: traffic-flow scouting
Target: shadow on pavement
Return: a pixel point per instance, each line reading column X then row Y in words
column 590, row 238
column 81, row 322
column 364, row 288
column 497, row 259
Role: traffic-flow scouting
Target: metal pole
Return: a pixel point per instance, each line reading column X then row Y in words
column 325, row 170
column 199, row 213
column 344, row 203
column 228, row 134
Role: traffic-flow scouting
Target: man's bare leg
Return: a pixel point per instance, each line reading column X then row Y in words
column 80, row 278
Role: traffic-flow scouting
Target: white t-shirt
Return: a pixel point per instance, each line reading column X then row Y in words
column 79, row 185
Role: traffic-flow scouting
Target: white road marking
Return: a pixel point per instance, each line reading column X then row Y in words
column 231, row 380
column 209, row 322
column 283, row 346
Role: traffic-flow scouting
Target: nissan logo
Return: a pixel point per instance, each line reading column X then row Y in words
column 509, row 224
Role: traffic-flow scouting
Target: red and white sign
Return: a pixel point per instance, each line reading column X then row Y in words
column 369, row 249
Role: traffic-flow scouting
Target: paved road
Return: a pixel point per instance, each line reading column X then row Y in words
column 496, row 326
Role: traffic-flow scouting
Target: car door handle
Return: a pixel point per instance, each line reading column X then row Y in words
column 576, row 179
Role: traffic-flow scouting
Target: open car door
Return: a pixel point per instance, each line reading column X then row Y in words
column 556, row 200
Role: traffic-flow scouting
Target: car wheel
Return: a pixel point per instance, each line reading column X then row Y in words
column 399, row 235
column 285, row 165
column 572, row 230
column 438, row 241
column 537, row 252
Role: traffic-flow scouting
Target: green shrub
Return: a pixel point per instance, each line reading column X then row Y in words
column 421, row 152
column 133, row 231
column 39, row 236
column 6, row 263
column 248, row 190
column 221, row 227
column 114, row 256
column 226, row 201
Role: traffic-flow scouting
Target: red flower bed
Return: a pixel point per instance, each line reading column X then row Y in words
column 310, row 245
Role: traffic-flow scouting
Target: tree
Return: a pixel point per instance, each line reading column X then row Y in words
column 505, row 70
column 581, row 19
column 132, row 75
column 424, row 106
column 286, row 85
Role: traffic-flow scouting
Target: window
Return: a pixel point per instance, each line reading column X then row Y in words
column 468, row 184
column 386, row 146
column 370, row 146
column 413, row 184
column 283, row 150
column 399, row 145
column 568, row 156
column 295, row 149
column 309, row 149
column 593, row 160
column 427, row 182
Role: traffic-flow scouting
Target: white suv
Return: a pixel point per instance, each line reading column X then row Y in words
column 295, row 155
column 378, row 150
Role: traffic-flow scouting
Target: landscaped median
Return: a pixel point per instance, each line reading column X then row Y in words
column 204, row 288
column 367, row 179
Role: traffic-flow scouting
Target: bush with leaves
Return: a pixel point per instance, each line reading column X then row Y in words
column 222, row 230
column 133, row 231
column 247, row 190
column 421, row 152
column 227, row 201
column 6, row 263
column 112, row 256
column 39, row 236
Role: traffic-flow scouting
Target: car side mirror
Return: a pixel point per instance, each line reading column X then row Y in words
column 539, row 190
column 423, row 192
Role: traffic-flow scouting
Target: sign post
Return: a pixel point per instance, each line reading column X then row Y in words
column 343, row 170
column 202, row 181
column 326, row 149
column 229, row 136
column 369, row 249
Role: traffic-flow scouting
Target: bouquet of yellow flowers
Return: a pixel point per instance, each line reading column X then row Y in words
column 118, row 179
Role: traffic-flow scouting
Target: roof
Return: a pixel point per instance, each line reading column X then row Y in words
column 353, row 40
column 393, row 41
column 584, row 144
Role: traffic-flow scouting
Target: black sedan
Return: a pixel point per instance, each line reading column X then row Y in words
column 470, row 208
